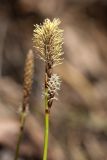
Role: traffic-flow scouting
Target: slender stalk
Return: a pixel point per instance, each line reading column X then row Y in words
column 23, row 117
column 46, row 129
column 46, row 136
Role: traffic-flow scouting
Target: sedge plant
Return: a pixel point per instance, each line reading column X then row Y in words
column 48, row 40
column 27, row 86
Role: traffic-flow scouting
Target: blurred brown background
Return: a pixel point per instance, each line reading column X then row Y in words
column 78, row 126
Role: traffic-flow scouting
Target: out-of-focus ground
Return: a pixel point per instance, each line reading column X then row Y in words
column 78, row 125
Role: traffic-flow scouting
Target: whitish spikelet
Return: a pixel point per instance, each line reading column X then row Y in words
column 48, row 40
column 53, row 85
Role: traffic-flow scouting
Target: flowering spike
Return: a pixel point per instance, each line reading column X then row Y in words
column 54, row 83
column 53, row 86
column 48, row 40
column 28, row 78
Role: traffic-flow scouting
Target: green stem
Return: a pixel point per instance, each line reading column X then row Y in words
column 46, row 134
column 46, row 129
column 22, row 123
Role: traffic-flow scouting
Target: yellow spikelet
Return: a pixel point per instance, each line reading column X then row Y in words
column 48, row 40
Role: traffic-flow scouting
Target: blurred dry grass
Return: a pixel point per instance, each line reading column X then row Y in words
column 79, row 118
